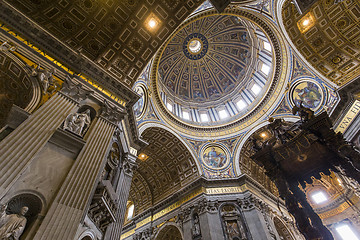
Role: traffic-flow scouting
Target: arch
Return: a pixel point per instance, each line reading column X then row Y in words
column 165, row 166
column 16, row 86
column 87, row 234
column 247, row 136
column 282, row 229
column 169, row 231
column 159, row 125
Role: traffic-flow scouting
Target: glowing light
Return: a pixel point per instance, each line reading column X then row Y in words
column 152, row 23
column 319, row 197
column 223, row 114
column 130, row 212
column 263, row 134
column 256, row 89
column 169, row 106
column 306, row 22
column 265, row 69
column 186, row 115
column 267, row 46
column 195, row 46
column 346, row 233
column 241, row 104
column 204, row 117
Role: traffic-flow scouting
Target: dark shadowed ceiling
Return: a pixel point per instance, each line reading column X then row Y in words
column 168, row 167
column 114, row 34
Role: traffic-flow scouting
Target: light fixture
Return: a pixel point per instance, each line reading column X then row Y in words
column 263, row 135
column 143, row 156
column 306, row 22
column 152, row 23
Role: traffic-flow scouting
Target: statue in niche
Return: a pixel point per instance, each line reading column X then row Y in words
column 45, row 77
column 196, row 227
column 12, row 225
column 78, row 123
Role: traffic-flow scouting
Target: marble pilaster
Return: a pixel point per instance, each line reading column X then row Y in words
column 122, row 191
column 69, row 207
column 21, row 146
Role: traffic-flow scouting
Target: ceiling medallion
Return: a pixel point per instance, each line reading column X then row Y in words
column 195, row 46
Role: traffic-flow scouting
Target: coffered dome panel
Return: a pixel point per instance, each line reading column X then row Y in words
column 207, row 59
column 217, row 72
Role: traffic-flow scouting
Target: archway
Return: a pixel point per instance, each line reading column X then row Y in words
column 165, row 166
column 282, row 230
column 16, row 87
column 87, row 238
column 169, row 232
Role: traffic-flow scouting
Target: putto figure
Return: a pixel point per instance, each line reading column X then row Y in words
column 45, row 77
column 12, row 225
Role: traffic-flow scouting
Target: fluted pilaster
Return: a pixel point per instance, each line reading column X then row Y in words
column 122, row 190
column 69, row 206
column 19, row 148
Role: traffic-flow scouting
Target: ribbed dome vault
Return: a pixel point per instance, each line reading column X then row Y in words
column 207, row 60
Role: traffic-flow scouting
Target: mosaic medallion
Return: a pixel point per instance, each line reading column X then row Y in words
column 307, row 93
column 139, row 105
column 215, row 157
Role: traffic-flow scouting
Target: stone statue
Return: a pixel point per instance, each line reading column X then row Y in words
column 196, row 227
column 45, row 77
column 78, row 122
column 12, row 226
column 279, row 130
column 305, row 114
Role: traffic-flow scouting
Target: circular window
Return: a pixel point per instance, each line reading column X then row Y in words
column 195, row 46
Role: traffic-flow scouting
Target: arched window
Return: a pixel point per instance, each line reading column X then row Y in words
column 130, row 211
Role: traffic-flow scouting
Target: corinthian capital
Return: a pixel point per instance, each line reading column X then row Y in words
column 74, row 90
column 129, row 166
column 112, row 113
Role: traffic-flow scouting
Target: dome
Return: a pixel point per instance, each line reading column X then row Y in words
column 214, row 69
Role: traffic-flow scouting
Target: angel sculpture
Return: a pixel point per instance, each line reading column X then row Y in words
column 45, row 77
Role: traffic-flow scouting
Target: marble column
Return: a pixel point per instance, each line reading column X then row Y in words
column 122, row 191
column 70, row 205
column 20, row 147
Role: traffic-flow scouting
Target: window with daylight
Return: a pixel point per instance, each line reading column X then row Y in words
column 204, row 117
column 265, row 69
column 223, row 114
column 319, row 197
column 186, row 115
column 345, row 232
column 267, row 46
column 130, row 212
column 169, row 106
column 256, row 89
column 241, row 104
